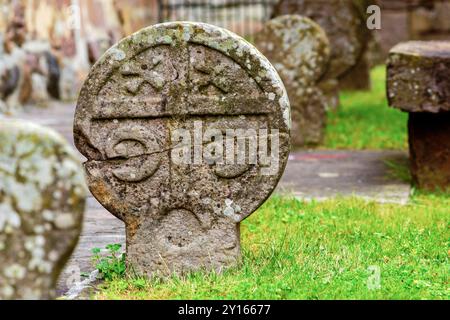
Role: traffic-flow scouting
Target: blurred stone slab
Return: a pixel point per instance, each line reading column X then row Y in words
column 418, row 82
column 418, row 78
column 181, row 216
column 344, row 24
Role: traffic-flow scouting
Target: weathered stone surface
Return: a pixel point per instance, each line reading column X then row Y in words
column 180, row 215
column 299, row 49
column 430, row 149
column 42, row 198
column 330, row 89
column 343, row 23
column 419, row 76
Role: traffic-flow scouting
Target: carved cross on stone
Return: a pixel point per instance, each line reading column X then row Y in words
column 153, row 120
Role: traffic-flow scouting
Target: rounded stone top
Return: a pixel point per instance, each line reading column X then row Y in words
column 42, row 199
column 297, row 46
column 418, row 76
column 113, row 81
column 171, row 80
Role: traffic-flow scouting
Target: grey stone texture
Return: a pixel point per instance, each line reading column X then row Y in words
column 179, row 216
column 42, row 199
column 419, row 76
column 299, row 49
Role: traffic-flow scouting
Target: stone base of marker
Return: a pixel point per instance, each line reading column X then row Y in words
column 330, row 90
column 418, row 82
column 429, row 143
column 309, row 118
column 178, row 245
column 358, row 78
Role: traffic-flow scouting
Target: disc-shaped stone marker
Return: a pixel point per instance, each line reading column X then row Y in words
column 42, row 198
column 299, row 49
column 343, row 23
column 163, row 119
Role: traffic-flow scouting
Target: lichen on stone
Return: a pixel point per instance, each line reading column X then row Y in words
column 35, row 165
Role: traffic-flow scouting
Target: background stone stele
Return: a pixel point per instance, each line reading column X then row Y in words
column 42, row 199
column 299, row 49
column 179, row 216
column 419, row 83
column 343, row 23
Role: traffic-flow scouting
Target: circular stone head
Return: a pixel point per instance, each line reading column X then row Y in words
column 42, row 198
column 343, row 23
column 186, row 130
column 297, row 47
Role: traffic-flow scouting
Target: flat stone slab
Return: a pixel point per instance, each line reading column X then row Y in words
column 418, row 76
column 418, row 82
column 309, row 175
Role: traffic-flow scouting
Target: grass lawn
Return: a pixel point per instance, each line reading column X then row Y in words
column 364, row 120
column 335, row 249
column 326, row 250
